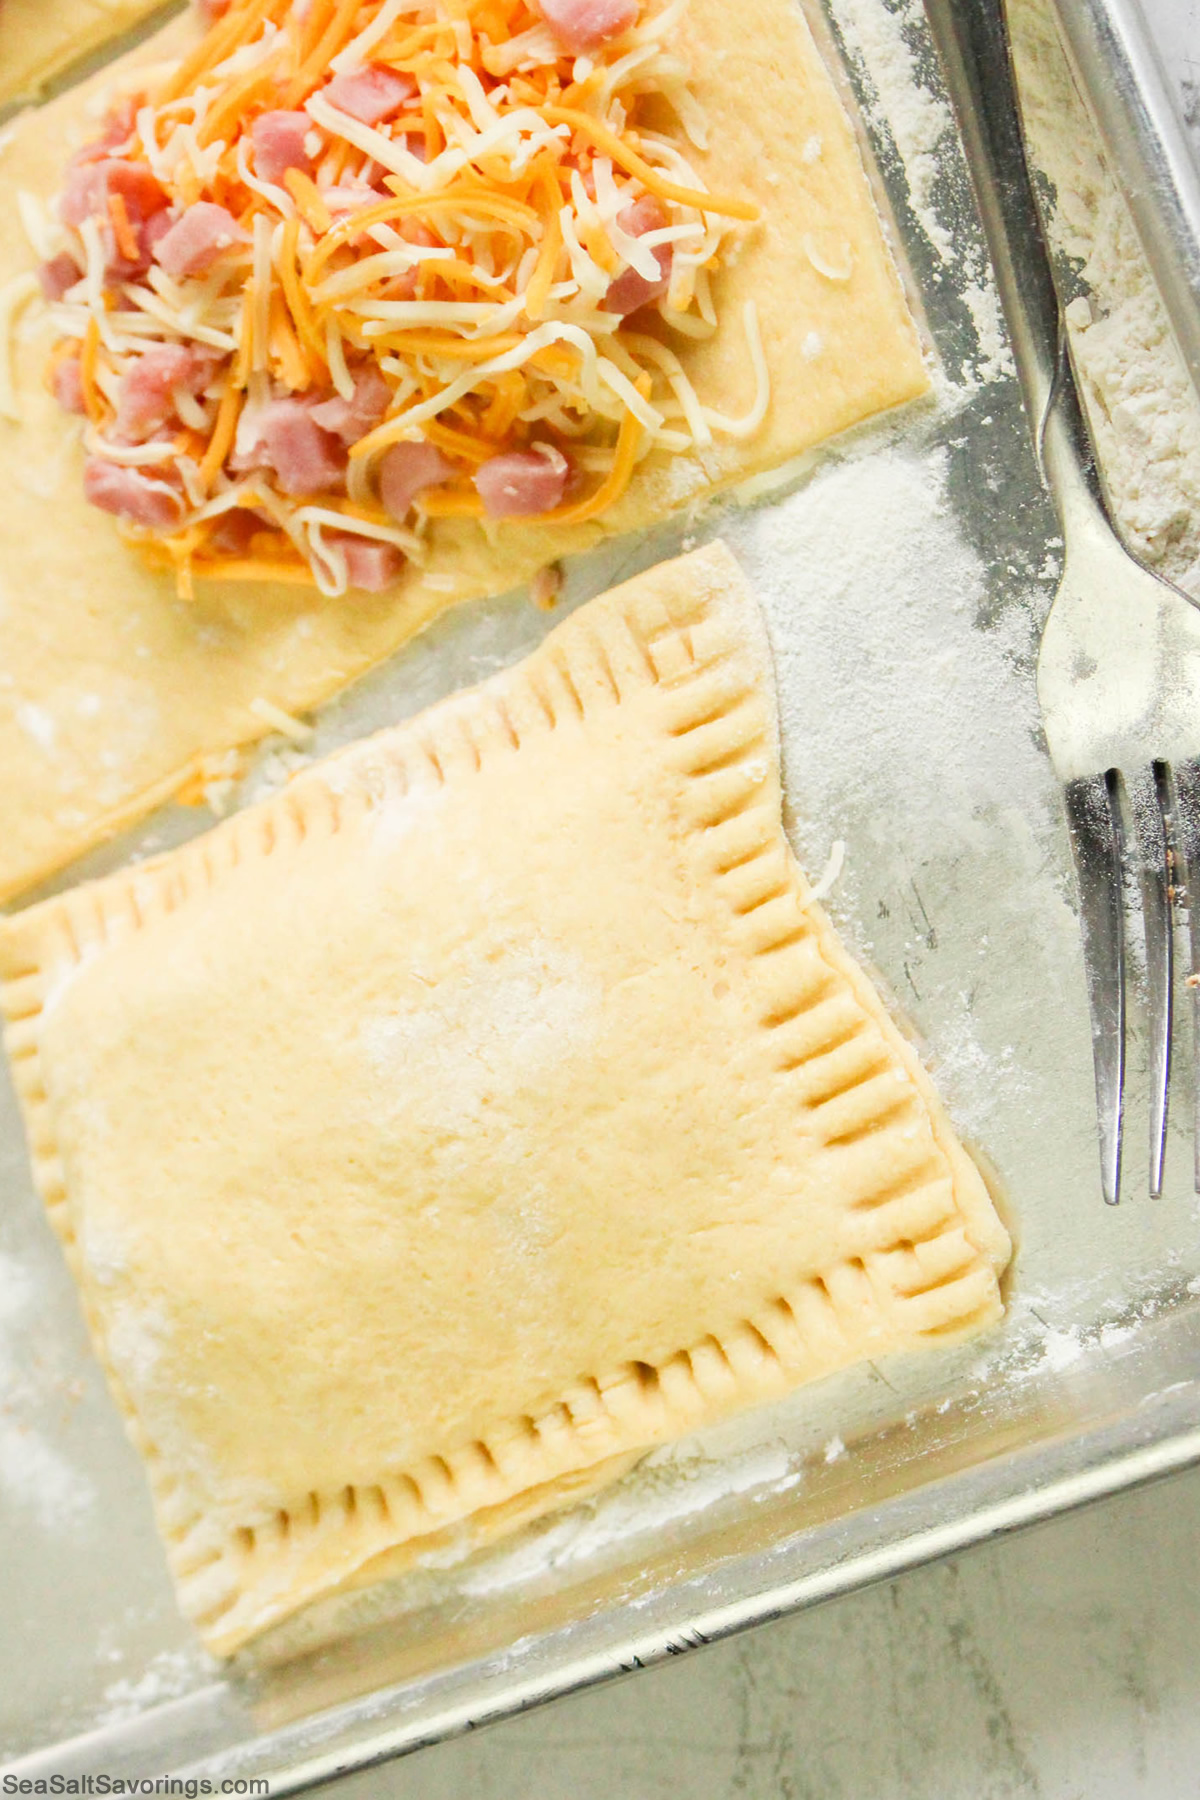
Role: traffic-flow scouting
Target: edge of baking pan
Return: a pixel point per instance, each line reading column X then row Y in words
column 1122, row 80
column 1141, row 1436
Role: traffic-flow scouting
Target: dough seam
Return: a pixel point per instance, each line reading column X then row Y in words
column 924, row 1268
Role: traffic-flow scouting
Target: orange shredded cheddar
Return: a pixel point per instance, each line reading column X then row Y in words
column 92, row 401
column 309, row 204
column 506, row 403
column 249, row 568
column 458, row 443
column 629, row 438
column 221, row 442
column 450, row 503
column 237, row 27
column 332, row 39
column 123, row 231
column 607, row 140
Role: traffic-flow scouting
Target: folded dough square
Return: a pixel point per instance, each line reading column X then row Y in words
column 113, row 692
column 486, row 1107
column 41, row 39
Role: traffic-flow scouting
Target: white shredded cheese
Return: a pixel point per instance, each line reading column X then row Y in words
column 750, row 421
column 830, row 875
column 15, row 296
column 832, row 271
column 359, row 48
column 283, row 722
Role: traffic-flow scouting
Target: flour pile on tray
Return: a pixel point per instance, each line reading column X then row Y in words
column 1141, row 403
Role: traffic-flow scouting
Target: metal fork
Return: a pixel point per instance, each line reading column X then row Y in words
column 1119, row 664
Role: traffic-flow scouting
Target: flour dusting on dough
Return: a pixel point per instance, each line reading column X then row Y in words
column 492, row 1030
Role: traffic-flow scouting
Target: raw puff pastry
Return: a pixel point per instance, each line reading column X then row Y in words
column 39, row 39
column 112, row 692
column 488, row 1106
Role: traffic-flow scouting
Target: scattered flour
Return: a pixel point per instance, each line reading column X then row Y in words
column 973, row 1081
column 880, row 37
column 919, row 121
column 934, row 722
column 167, row 1676
column 1141, row 403
column 34, row 1475
column 1060, row 1349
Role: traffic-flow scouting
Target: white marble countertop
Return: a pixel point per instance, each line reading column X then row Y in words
column 1063, row 1664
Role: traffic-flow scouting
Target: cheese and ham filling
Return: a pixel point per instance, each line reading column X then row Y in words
column 357, row 265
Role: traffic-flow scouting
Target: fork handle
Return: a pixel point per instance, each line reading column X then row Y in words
column 973, row 41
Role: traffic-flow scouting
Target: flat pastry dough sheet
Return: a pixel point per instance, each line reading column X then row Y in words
column 112, row 690
column 39, row 39
column 486, row 1107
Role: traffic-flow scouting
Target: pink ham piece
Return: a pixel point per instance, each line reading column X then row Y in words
column 520, row 483
column 199, row 236
column 147, row 390
column 370, row 95
column 89, row 184
column 211, row 10
column 67, row 385
column 583, row 25
column 155, row 230
column 281, row 141
column 117, row 130
column 233, row 530
column 132, row 494
column 303, row 458
column 58, row 275
column 406, row 470
column 352, row 419
column 630, row 290
column 347, row 199
column 370, row 564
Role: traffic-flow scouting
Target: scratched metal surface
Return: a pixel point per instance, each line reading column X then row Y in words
column 1175, row 25
column 958, row 894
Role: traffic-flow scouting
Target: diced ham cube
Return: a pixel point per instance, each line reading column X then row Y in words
column 132, row 494
column 583, row 25
column 233, row 530
column 288, row 441
column 370, row 95
column 89, row 188
column 281, row 142
column 155, row 230
column 89, row 184
column 212, row 10
column 58, row 275
column 347, row 199
column 631, row 290
column 370, row 565
column 520, row 483
column 67, row 385
column 148, row 388
column 352, row 419
column 117, row 130
column 406, row 470
column 198, row 237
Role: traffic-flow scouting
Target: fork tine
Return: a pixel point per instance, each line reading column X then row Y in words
column 1186, row 813
column 1098, row 843
column 1150, row 803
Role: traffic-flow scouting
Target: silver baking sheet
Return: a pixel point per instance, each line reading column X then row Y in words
column 905, row 575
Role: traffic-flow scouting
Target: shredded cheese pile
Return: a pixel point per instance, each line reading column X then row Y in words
column 474, row 248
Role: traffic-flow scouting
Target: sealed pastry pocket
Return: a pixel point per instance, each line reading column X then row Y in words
column 486, row 1107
